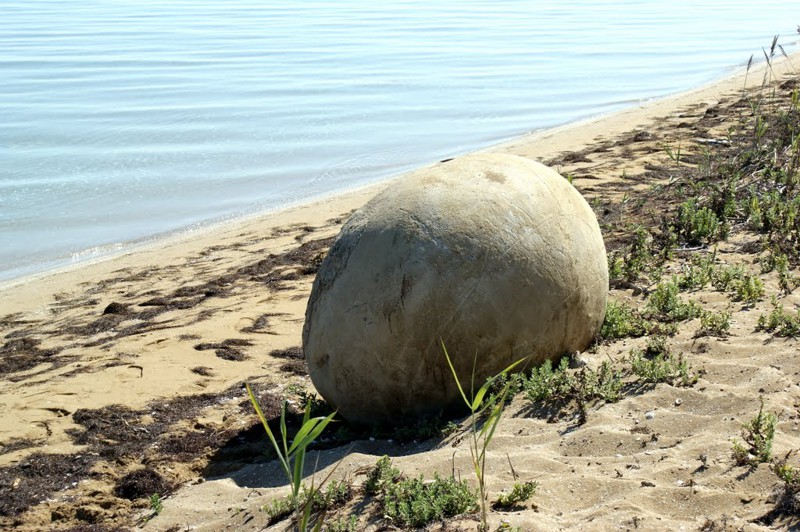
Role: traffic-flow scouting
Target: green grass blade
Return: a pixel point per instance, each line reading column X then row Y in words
column 283, row 430
column 485, row 388
column 297, row 473
column 264, row 422
column 455, row 376
column 309, row 432
column 493, row 421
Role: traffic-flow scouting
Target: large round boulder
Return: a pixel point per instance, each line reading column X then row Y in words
column 494, row 255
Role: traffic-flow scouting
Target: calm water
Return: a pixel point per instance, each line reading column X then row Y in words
column 125, row 119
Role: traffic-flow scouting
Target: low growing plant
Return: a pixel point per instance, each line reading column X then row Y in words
column 279, row 509
column 665, row 367
column 156, row 505
column 381, row 476
column 724, row 277
column 696, row 274
column 714, row 323
column 780, row 322
column 789, row 499
column 545, row 383
column 416, row 503
column 343, row 524
column 622, row 321
column 664, row 304
column 562, row 387
column 749, row 289
column 758, row 434
column 519, row 494
column 604, row 384
column 698, row 225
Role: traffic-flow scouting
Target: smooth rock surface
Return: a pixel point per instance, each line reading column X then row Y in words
column 495, row 255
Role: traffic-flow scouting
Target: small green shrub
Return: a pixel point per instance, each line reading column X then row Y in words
column 758, row 434
column 546, row 383
column 780, row 262
column 565, row 389
column 415, row 503
column 156, row 505
column 696, row 274
column 698, row 225
column 755, row 217
column 749, row 289
column 665, row 304
column 655, row 346
column 343, row 524
column 714, row 323
column 789, row 499
column 519, row 493
column 335, row 495
column 724, row 277
column 664, row 367
column 381, row 476
column 633, row 261
column 604, row 384
column 622, row 321
column 780, row 322
column 279, row 509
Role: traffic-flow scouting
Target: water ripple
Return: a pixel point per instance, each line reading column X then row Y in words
column 128, row 119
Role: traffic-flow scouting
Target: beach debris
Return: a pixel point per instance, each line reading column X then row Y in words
column 494, row 255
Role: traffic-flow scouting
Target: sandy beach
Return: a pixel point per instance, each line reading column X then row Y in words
column 124, row 377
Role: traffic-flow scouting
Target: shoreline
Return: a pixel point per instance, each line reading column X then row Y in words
column 542, row 144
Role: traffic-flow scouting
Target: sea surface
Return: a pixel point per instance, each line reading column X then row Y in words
column 123, row 120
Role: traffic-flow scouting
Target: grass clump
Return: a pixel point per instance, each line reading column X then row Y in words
column 724, row 278
column 519, row 494
column 664, row 304
column 381, row 476
column 714, row 323
column 545, row 383
column 343, row 524
column 758, row 434
column 780, row 322
column 416, row 503
column 698, row 225
column 749, row 289
column 696, row 274
column 789, row 497
column 656, row 364
column 622, row 321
